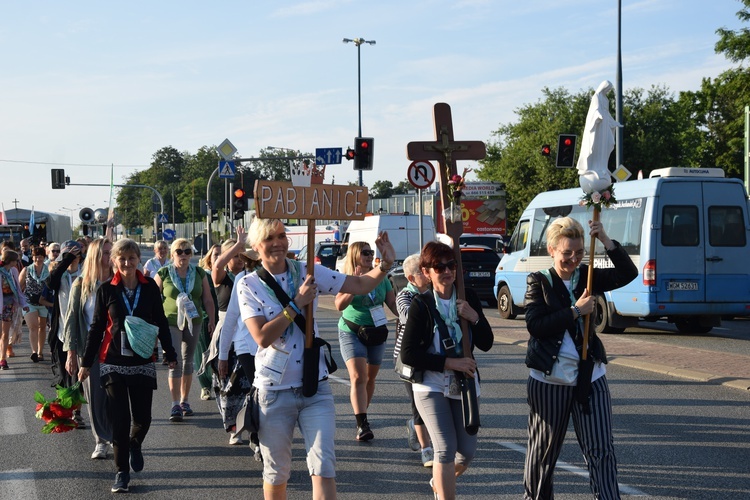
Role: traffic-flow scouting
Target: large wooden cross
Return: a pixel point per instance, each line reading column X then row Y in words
column 447, row 151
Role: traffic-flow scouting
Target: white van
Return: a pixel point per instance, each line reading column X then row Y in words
column 687, row 231
column 403, row 232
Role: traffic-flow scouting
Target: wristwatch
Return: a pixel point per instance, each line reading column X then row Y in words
column 385, row 269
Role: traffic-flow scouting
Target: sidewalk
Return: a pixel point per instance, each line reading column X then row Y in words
column 731, row 370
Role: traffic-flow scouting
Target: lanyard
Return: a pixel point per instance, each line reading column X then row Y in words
column 135, row 302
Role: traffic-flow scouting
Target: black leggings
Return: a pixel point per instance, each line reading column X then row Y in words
column 122, row 400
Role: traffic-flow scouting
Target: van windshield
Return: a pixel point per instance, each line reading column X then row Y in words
column 622, row 221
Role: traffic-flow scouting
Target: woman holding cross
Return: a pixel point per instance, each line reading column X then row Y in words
column 270, row 300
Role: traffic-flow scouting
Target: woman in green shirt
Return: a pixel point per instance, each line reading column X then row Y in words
column 186, row 292
column 362, row 361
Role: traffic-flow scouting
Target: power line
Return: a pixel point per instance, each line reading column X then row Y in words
column 72, row 164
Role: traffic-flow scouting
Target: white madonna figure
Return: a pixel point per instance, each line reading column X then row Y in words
column 597, row 143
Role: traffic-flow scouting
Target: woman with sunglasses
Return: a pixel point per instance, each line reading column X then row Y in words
column 556, row 300
column 362, row 361
column 432, row 342
column 186, row 291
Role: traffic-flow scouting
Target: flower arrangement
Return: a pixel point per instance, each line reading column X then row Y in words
column 598, row 199
column 58, row 413
column 456, row 184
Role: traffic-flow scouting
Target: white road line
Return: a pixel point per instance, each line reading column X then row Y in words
column 18, row 483
column 340, row 380
column 12, row 421
column 625, row 489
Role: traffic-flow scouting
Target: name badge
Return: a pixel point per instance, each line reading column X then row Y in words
column 274, row 364
column 378, row 315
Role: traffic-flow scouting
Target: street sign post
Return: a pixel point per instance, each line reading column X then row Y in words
column 227, row 169
column 327, row 156
column 163, row 219
column 168, row 234
column 226, row 149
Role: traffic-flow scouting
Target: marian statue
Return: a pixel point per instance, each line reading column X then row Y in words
column 597, row 143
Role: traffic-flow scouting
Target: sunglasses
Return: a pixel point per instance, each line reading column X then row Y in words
column 180, row 251
column 367, row 253
column 441, row 267
column 55, row 251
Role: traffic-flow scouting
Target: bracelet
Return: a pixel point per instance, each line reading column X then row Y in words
column 578, row 311
column 294, row 306
column 477, row 321
column 385, row 269
column 287, row 315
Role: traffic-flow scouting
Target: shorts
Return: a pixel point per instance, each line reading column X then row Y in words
column 352, row 347
column 7, row 313
column 42, row 310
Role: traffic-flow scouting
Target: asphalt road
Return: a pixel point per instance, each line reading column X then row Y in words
column 676, row 438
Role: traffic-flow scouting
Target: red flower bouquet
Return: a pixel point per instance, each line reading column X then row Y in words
column 58, row 412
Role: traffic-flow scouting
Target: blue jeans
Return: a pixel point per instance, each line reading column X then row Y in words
column 316, row 418
column 352, row 347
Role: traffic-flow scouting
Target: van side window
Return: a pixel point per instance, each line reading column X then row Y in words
column 520, row 236
column 680, row 226
column 725, row 227
column 539, row 235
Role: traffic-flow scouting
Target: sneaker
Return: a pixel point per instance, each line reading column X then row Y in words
column 34, row 357
column 235, row 439
column 186, row 410
column 100, row 452
column 206, row 394
column 121, row 482
column 413, row 440
column 427, row 457
column 136, row 457
column 364, row 433
column 80, row 424
column 3, row 365
column 176, row 414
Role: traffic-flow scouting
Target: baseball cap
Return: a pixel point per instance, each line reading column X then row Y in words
column 66, row 247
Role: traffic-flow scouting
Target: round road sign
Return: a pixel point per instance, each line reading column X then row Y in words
column 421, row 174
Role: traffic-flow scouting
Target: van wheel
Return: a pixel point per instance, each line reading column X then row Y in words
column 691, row 325
column 505, row 303
column 601, row 317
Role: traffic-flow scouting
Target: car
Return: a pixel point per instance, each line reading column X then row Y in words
column 325, row 253
column 479, row 264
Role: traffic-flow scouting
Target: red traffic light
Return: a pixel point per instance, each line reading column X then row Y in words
column 365, row 144
column 349, row 154
column 567, row 141
column 546, row 150
column 239, row 193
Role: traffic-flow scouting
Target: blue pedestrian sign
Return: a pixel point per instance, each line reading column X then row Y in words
column 226, row 169
column 163, row 219
column 327, row 156
column 168, row 234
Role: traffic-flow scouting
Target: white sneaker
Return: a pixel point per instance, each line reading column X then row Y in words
column 235, row 439
column 100, row 452
column 206, row 394
column 427, row 457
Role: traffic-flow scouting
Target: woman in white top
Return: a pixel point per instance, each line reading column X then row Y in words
column 279, row 360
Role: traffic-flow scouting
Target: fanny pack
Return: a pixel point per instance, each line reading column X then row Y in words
column 368, row 335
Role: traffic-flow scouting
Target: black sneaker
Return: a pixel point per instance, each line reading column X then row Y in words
column 121, row 482
column 176, row 414
column 364, row 433
column 136, row 457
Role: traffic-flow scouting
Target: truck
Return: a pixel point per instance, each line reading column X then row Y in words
column 687, row 230
column 403, row 231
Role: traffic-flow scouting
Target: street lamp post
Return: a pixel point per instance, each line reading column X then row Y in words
column 358, row 42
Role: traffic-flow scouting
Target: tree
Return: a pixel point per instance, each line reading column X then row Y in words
column 735, row 44
column 274, row 166
column 403, row 187
column 381, row 189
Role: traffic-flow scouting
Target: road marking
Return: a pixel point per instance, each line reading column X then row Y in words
column 18, row 483
column 12, row 421
column 625, row 489
column 340, row 380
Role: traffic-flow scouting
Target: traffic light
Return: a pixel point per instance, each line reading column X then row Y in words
column 546, row 150
column 566, row 149
column 363, row 151
column 349, row 154
column 58, row 178
column 238, row 204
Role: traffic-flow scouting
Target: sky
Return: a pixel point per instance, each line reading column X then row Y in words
column 88, row 84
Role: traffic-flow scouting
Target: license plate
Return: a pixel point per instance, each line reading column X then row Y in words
column 480, row 274
column 682, row 285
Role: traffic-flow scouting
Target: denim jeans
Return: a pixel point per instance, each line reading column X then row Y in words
column 315, row 416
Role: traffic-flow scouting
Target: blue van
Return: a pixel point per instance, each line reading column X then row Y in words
column 687, row 231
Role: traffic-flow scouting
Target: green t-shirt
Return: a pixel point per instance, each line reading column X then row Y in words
column 358, row 311
column 170, row 293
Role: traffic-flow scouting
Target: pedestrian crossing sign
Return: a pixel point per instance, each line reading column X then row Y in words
column 227, row 169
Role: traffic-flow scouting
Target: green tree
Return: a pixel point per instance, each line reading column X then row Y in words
column 381, row 189
column 403, row 187
column 273, row 166
column 735, row 44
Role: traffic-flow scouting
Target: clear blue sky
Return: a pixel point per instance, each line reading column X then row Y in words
column 91, row 82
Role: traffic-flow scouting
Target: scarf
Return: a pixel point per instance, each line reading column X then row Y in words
column 186, row 309
column 450, row 318
column 32, row 272
column 293, row 282
column 412, row 288
column 189, row 277
column 11, row 283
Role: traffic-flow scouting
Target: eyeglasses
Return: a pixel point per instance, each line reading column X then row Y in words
column 568, row 254
column 180, row 251
column 442, row 266
column 367, row 253
column 55, row 251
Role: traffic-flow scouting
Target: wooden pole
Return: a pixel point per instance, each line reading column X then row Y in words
column 589, row 286
column 309, row 332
